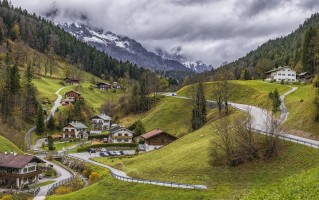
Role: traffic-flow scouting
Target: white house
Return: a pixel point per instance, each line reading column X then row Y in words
column 100, row 123
column 75, row 130
column 282, row 73
column 120, row 135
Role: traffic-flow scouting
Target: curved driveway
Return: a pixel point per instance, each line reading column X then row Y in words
column 64, row 174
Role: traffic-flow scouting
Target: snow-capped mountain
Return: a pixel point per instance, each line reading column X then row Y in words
column 176, row 54
column 122, row 48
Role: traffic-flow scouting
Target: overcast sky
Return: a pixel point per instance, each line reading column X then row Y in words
column 211, row 30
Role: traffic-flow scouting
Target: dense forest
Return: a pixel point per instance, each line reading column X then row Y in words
column 47, row 38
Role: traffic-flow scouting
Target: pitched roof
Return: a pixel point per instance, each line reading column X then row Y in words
column 303, row 73
column 102, row 116
column 72, row 91
column 17, row 161
column 101, row 83
column 78, row 125
column 277, row 69
column 118, row 128
column 154, row 133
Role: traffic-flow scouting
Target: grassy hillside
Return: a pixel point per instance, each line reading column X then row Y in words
column 111, row 188
column 248, row 92
column 301, row 112
column 301, row 186
column 187, row 160
column 94, row 97
column 7, row 145
column 170, row 114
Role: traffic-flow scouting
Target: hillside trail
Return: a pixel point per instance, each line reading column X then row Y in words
column 262, row 120
column 27, row 137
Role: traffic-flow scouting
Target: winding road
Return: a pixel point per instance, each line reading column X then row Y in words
column 261, row 119
column 64, row 174
column 57, row 103
column 120, row 175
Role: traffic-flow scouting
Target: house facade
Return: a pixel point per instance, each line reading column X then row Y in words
column 70, row 97
column 103, row 86
column 305, row 77
column 72, row 81
column 282, row 74
column 120, row 135
column 101, row 122
column 17, row 170
column 75, row 130
column 156, row 139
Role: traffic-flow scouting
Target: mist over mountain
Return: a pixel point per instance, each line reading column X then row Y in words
column 126, row 49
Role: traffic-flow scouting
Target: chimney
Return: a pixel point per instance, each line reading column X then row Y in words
column 11, row 152
column 5, row 153
column 14, row 153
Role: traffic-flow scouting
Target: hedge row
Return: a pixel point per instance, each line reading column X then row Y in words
column 97, row 136
column 106, row 145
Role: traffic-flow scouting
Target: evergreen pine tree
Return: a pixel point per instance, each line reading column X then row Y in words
column 1, row 37
column 50, row 124
column 40, row 121
column 50, row 143
column 139, row 128
column 14, row 80
column 199, row 109
column 245, row 75
column 308, row 51
column 275, row 98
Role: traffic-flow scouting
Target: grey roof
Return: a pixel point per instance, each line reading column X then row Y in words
column 102, row 116
column 277, row 69
column 78, row 125
column 303, row 73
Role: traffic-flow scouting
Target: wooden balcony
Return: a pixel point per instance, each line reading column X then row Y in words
column 4, row 175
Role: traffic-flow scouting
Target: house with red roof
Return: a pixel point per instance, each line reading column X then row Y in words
column 156, row 139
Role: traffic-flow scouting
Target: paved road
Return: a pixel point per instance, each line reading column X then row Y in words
column 57, row 103
column 262, row 120
column 120, row 175
column 65, row 174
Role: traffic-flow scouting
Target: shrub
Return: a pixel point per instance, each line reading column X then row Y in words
column 7, row 197
column 62, row 190
column 94, row 177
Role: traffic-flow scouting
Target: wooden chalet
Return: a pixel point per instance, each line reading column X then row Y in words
column 72, row 81
column 17, row 170
column 156, row 139
column 70, row 97
column 103, row 86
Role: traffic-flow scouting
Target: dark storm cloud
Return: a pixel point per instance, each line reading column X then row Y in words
column 211, row 30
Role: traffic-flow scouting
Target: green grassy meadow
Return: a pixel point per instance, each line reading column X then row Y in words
column 248, row 92
column 302, row 111
column 7, row 145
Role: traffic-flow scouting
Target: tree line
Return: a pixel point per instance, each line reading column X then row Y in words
column 51, row 40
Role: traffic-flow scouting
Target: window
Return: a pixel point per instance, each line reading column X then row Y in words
column 120, row 134
column 126, row 134
column 279, row 74
column 126, row 140
column 289, row 75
